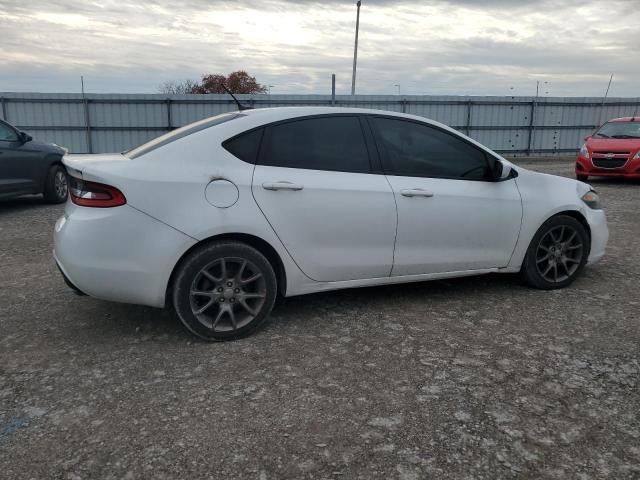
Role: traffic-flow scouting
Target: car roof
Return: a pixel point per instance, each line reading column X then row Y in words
column 284, row 113
column 625, row 119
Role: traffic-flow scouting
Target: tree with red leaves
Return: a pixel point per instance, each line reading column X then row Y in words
column 237, row 82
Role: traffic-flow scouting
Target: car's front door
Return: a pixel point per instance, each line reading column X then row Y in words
column 452, row 215
column 15, row 168
column 313, row 182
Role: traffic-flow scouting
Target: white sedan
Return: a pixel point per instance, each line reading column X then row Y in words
column 219, row 217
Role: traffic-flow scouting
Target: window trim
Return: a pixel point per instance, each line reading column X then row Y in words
column 386, row 164
column 268, row 129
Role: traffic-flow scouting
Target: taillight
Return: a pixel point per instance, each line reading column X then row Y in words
column 93, row 194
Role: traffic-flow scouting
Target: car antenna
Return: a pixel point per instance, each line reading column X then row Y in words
column 240, row 106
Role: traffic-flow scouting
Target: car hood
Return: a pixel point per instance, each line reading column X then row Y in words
column 613, row 144
column 45, row 147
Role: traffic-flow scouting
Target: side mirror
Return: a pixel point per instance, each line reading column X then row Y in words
column 24, row 137
column 503, row 171
column 587, row 138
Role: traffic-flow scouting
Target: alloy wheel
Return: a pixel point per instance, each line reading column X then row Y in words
column 559, row 253
column 227, row 294
column 60, row 184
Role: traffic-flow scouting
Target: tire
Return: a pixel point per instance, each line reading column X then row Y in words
column 544, row 260
column 217, row 298
column 582, row 178
column 55, row 187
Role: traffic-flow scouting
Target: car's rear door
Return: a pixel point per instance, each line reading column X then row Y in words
column 452, row 216
column 314, row 184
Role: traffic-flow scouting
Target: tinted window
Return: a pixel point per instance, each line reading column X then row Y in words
column 327, row 143
column 7, row 134
column 181, row 132
column 415, row 149
column 245, row 146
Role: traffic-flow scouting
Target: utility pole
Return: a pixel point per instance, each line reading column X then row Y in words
column 537, row 88
column 355, row 51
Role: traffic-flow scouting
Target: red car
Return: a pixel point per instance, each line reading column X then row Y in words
column 612, row 151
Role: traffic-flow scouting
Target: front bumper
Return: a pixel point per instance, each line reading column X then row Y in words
column 585, row 166
column 118, row 254
column 597, row 221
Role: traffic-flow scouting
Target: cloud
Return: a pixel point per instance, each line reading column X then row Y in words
column 446, row 47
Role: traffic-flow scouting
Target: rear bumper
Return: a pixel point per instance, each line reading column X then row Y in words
column 584, row 166
column 69, row 283
column 117, row 254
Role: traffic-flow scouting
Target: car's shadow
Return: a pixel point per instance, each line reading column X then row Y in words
column 112, row 322
column 28, row 202
column 613, row 181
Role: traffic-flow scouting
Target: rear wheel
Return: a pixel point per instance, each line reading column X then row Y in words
column 224, row 291
column 557, row 253
column 55, row 188
column 582, row 178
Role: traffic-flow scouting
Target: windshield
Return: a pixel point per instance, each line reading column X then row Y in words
column 619, row 130
column 180, row 133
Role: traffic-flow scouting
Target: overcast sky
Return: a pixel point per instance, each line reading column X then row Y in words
column 458, row 47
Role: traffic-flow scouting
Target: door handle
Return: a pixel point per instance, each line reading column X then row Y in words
column 282, row 186
column 415, row 192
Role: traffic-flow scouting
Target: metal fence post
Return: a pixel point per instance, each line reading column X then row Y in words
column 333, row 89
column 87, row 123
column 3, row 102
column 468, row 125
column 403, row 102
column 531, row 127
column 169, row 121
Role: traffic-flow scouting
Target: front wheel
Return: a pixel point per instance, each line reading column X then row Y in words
column 582, row 178
column 224, row 291
column 55, row 188
column 557, row 253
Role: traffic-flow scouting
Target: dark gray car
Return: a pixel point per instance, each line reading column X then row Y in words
column 28, row 166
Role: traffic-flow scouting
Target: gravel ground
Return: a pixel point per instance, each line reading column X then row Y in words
column 471, row 378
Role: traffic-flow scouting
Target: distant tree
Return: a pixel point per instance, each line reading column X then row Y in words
column 176, row 87
column 237, row 82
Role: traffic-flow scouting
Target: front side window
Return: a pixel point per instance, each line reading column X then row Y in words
column 619, row 130
column 415, row 149
column 325, row 143
column 7, row 134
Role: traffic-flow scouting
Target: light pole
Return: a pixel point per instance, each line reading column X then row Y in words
column 355, row 51
column 397, row 85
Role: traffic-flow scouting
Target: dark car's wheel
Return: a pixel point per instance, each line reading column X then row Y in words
column 557, row 253
column 582, row 178
column 55, row 188
column 224, row 291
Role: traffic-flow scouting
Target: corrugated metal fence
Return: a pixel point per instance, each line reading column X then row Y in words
column 107, row 123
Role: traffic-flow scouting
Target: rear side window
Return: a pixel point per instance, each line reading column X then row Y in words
column 326, row 143
column 414, row 149
column 245, row 146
